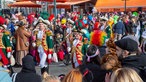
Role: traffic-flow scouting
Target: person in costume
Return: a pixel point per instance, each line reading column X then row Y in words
column 103, row 21
column 81, row 23
column 5, row 45
column 22, row 40
column 98, row 38
column 76, row 50
column 67, row 44
column 86, row 39
column 44, row 43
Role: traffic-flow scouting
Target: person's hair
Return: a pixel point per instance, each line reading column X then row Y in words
column 110, row 62
column 51, row 79
column 125, row 75
column 73, row 76
column 91, row 51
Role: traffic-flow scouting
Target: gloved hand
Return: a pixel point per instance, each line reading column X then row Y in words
column 8, row 54
column 34, row 44
column 49, row 56
column 68, row 49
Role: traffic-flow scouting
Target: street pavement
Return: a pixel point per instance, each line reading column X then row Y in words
column 54, row 69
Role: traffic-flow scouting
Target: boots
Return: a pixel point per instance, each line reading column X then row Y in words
column 45, row 69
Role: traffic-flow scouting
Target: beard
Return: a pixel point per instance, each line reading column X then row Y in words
column 120, row 58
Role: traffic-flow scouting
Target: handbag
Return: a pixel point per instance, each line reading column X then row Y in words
column 27, row 44
column 55, row 58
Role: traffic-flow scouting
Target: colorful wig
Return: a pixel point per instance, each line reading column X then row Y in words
column 98, row 37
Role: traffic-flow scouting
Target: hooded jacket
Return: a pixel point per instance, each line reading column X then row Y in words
column 28, row 72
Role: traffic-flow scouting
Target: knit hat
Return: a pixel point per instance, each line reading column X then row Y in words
column 127, row 44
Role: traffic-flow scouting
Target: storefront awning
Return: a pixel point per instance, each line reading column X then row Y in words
column 24, row 4
column 67, row 5
column 45, row 0
column 118, row 5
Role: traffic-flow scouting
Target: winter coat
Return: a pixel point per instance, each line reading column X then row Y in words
column 134, row 61
column 22, row 36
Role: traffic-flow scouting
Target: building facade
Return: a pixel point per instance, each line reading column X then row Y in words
column 4, row 3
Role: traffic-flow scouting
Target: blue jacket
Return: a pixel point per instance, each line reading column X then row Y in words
column 119, row 28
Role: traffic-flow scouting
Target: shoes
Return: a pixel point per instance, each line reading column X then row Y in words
column 44, row 69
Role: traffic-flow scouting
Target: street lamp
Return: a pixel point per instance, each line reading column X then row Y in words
column 55, row 8
column 125, row 5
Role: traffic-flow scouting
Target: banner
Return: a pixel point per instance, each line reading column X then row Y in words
column 117, row 9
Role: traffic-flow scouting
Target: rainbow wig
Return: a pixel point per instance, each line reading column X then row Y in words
column 98, row 37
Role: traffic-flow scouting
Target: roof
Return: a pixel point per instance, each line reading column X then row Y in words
column 44, row 0
column 68, row 3
column 24, row 4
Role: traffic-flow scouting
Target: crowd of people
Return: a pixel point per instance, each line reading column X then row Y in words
column 102, row 47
